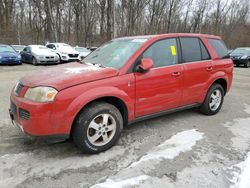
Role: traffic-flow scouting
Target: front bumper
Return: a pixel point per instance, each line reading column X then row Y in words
column 240, row 61
column 45, row 62
column 10, row 62
column 34, row 119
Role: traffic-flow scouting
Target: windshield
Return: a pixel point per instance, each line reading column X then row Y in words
column 18, row 48
column 241, row 51
column 82, row 49
column 65, row 47
column 6, row 48
column 115, row 53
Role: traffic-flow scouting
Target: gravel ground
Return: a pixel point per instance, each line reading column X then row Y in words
column 184, row 149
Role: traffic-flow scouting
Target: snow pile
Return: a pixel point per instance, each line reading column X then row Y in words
column 122, row 183
column 242, row 179
column 181, row 142
column 171, row 148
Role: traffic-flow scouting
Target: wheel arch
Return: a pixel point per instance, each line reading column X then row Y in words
column 223, row 83
column 116, row 101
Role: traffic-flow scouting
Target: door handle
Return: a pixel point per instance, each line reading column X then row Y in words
column 209, row 69
column 176, row 74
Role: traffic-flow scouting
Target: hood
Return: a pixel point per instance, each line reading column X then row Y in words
column 9, row 54
column 84, row 53
column 67, row 50
column 63, row 76
column 44, row 53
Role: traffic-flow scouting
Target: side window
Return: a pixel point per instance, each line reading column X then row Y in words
column 163, row 52
column 204, row 53
column 51, row 46
column 219, row 47
column 25, row 49
column 191, row 50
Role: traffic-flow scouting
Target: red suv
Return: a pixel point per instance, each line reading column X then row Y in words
column 124, row 81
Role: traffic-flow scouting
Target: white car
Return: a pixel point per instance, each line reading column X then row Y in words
column 66, row 52
column 83, row 52
column 38, row 54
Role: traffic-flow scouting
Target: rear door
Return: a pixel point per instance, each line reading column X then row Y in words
column 197, row 66
column 159, row 89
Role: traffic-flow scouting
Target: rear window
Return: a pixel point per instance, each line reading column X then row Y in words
column 219, row 47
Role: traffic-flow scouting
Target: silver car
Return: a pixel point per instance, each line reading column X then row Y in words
column 38, row 54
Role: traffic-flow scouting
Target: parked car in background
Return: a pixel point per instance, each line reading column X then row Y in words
column 92, row 48
column 124, row 81
column 9, row 56
column 241, row 56
column 38, row 54
column 83, row 52
column 18, row 48
column 66, row 52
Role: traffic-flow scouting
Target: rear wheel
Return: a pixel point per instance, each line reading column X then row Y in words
column 97, row 128
column 213, row 100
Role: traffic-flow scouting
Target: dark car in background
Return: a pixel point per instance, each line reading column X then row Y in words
column 8, row 56
column 39, row 54
column 18, row 48
column 83, row 52
column 241, row 56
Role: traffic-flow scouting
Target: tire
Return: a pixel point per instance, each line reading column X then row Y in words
column 60, row 59
column 215, row 93
column 34, row 61
column 83, row 133
column 247, row 64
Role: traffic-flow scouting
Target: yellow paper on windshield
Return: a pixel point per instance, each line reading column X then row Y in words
column 173, row 50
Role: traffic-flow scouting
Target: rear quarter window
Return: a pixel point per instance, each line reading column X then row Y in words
column 220, row 47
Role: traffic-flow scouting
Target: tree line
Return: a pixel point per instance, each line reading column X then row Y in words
column 92, row 22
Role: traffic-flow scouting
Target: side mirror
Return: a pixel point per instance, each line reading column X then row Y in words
column 145, row 65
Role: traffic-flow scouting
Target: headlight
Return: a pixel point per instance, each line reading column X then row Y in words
column 244, row 57
column 41, row 94
column 0, row 57
column 19, row 56
column 40, row 57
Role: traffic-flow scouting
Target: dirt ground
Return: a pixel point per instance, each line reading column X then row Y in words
column 184, row 149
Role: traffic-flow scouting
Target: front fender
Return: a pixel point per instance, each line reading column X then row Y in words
column 95, row 93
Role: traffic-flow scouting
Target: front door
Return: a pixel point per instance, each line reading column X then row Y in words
column 159, row 89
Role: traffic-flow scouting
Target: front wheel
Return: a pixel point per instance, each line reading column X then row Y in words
column 34, row 61
column 97, row 128
column 213, row 100
column 247, row 64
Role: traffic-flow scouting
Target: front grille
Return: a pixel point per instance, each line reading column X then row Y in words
column 18, row 88
column 73, row 55
column 24, row 114
column 13, row 108
column 50, row 57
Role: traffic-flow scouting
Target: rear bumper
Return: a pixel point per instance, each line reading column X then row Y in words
column 34, row 119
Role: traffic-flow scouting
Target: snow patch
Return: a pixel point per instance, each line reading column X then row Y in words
column 109, row 183
column 135, row 173
column 241, row 130
column 15, row 168
column 247, row 108
column 181, row 142
column 241, row 176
